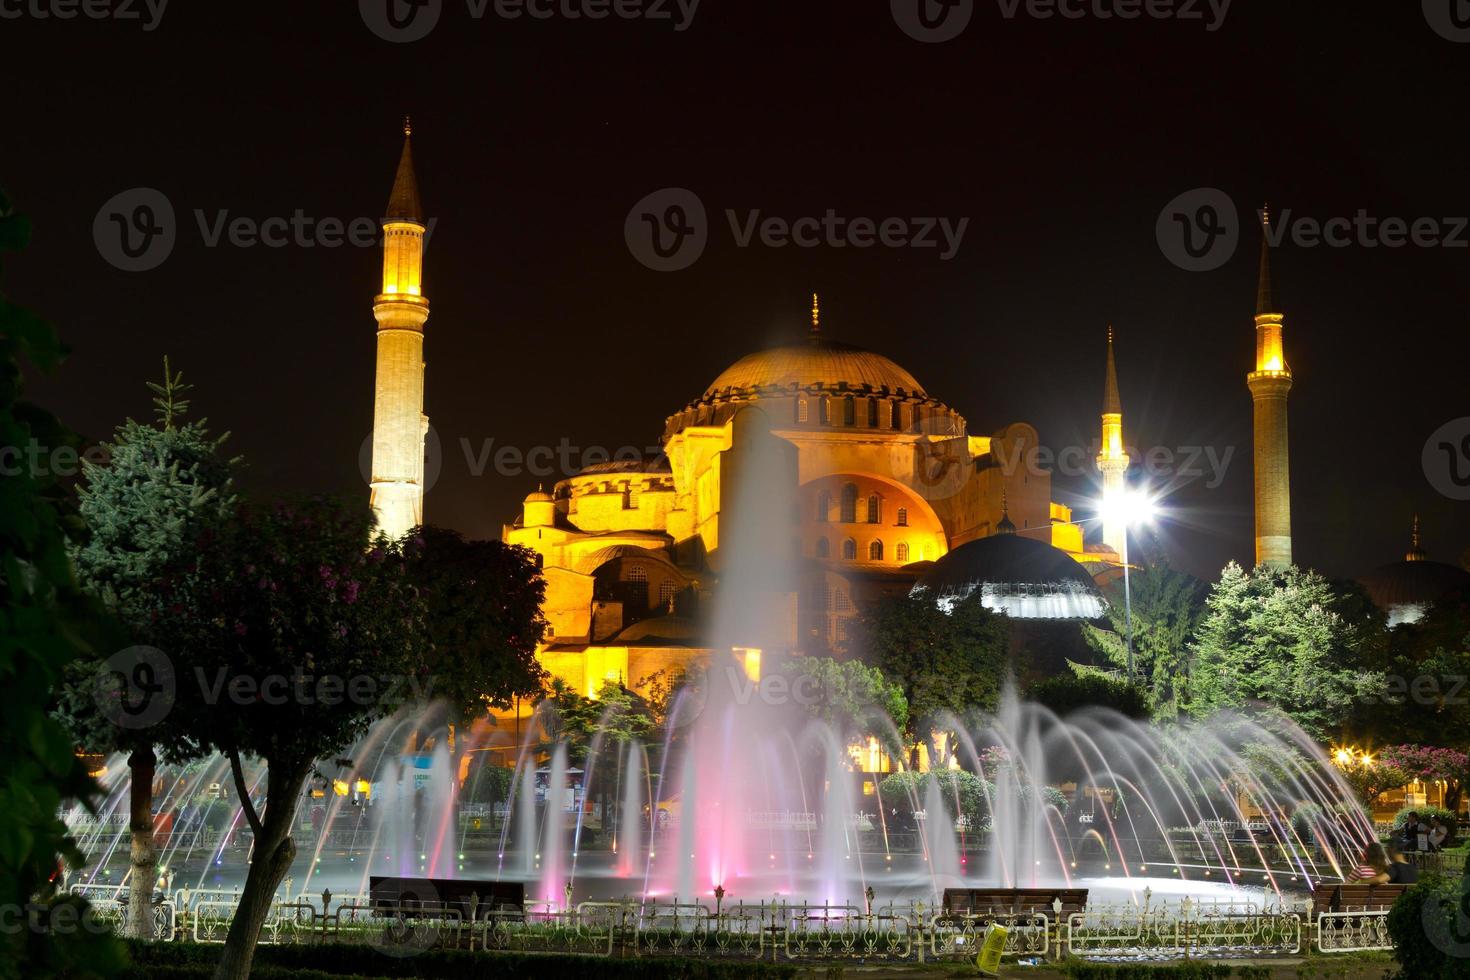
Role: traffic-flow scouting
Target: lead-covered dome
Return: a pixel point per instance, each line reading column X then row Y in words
column 1020, row 576
column 818, row 363
column 1405, row 589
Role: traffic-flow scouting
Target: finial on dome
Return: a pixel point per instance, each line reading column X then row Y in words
column 816, row 315
column 1005, row 525
column 1416, row 552
column 407, row 126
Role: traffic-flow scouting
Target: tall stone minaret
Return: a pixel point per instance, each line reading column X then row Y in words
column 1111, row 459
column 1269, row 384
column 399, row 422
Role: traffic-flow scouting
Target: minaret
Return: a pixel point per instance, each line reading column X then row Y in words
column 1269, row 384
column 399, row 423
column 815, row 334
column 1416, row 550
column 1111, row 459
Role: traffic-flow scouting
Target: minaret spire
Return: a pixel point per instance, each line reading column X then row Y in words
column 816, row 331
column 1269, row 384
column 1416, row 550
column 399, row 423
column 1112, row 459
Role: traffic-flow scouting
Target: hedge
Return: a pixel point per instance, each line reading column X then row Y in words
column 1427, row 924
column 177, row 961
column 1078, row 970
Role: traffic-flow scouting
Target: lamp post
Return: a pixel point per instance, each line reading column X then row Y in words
column 1129, row 508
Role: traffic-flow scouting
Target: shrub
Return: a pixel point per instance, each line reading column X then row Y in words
column 1430, row 931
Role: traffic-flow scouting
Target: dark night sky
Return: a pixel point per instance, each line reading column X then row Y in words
column 1061, row 141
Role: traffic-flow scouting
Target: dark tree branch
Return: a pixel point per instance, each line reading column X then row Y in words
column 251, row 816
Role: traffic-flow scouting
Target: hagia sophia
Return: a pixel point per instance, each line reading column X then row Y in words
column 892, row 488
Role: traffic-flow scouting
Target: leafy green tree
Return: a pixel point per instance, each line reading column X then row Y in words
column 947, row 664
column 1084, row 688
column 42, row 618
column 1167, row 606
column 162, row 486
column 1278, row 639
column 848, row 695
column 301, row 630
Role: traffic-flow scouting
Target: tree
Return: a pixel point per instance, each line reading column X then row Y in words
column 1167, row 606
column 162, row 486
column 1429, row 763
column 945, row 663
column 1278, row 639
column 42, row 616
column 848, row 695
column 301, row 631
column 1084, row 688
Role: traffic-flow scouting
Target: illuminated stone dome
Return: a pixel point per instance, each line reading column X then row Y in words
column 818, row 363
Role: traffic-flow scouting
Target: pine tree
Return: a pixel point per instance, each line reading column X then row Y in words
column 161, row 488
column 1283, row 640
column 1167, row 605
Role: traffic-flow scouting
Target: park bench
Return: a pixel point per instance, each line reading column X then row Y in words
column 1353, row 897
column 1014, row 901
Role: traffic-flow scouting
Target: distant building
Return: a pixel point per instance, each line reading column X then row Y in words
column 1404, row 590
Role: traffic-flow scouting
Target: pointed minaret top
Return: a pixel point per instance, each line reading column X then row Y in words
column 1005, row 525
column 1416, row 551
column 403, row 202
column 1264, row 301
column 816, row 330
column 1112, row 404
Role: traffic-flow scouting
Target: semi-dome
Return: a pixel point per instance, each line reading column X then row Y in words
column 1020, row 576
column 817, row 363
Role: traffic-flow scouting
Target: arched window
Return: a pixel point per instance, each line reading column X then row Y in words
column 849, row 411
column 875, row 551
column 824, row 410
column 637, row 573
column 838, row 601
column 903, row 517
column 849, row 504
column 872, row 413
column 901, row 553
column 849, row 549
column 803, row 411
column 666, row 590
column 824, row 548
column 824, row 507
column 875, row 509
column 895, row 418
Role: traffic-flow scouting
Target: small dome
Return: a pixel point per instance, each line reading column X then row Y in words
column 1017, row 575
column 539, row 496
column 1404, row 589
column 816, row 363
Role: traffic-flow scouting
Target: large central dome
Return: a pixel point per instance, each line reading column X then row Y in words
column 816, row 363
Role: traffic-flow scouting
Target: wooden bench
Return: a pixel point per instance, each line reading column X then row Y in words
column 1014, row 901
column 1354, row 897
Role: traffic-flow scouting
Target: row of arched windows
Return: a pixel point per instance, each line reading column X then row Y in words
column 849, row 550
column 845, row 412
column 848, row 508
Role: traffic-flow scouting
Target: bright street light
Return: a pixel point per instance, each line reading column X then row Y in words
column 1130, row 508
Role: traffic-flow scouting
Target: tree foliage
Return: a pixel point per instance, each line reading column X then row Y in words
column 1084, row 688
column 42, row 616
column 853, row 698
column 483, row 610
column 1280, row 640
column 944, row 663
column 299, row 631
column 1167, row 607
